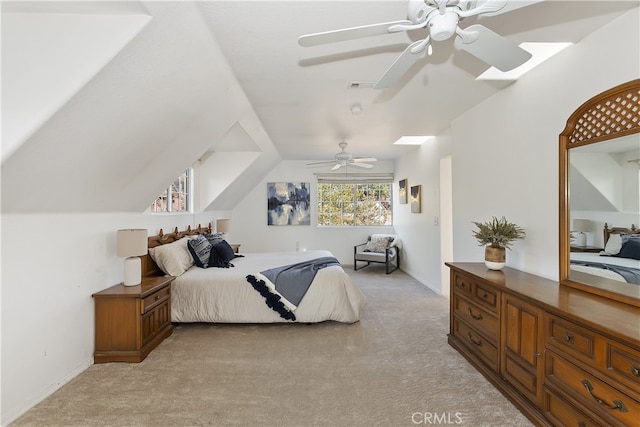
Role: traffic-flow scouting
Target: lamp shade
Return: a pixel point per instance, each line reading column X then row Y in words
column 581, row 225
column 132, row 242
column 222, row 225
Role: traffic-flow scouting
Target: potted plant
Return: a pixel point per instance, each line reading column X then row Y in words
column 497, row 235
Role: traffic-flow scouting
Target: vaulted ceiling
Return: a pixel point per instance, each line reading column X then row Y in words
column 104, row 103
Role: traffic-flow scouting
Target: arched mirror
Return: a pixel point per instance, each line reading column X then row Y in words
column 600, row 195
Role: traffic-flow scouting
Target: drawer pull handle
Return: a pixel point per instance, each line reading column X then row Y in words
column 617, row 404
column 635, row 370
column 478, row 343
column 568, row 337
column 477, row 317
column 157, row 297
column 485, row 294
column 582, row 424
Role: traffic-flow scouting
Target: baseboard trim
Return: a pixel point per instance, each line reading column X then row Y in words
column 10, row 415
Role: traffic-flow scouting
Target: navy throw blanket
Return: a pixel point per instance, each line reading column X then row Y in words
column 291, row 281
column 631, row 275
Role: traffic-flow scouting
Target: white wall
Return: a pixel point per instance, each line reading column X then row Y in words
column 51, row 265
column 505, row 150
column 420, row 232
column 249, row 228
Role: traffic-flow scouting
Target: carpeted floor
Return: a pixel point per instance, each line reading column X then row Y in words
column 393, row 368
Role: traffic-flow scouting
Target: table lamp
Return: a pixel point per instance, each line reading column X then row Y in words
column 222, row 226
column 580, row 226
column 131, row 244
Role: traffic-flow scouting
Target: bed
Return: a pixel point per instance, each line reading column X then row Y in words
column 230, row 294
column 620, row 259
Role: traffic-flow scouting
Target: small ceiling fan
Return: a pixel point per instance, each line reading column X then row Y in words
column 343, row 159
column 440, row 19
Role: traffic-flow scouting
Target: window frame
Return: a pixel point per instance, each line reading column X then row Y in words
column 354, row 204
column 168, row 196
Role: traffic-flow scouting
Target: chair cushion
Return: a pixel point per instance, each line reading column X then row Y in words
column 378, row 243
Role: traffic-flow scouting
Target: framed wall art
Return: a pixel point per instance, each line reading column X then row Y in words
column 288, row 203
column 415, row 199
column 402, row 194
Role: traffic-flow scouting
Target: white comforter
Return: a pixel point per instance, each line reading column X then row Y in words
column 594, row 257
column 223, row 295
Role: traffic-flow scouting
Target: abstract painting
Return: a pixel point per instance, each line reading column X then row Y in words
column 403, row 191
column 288, row 203
column 415, row 199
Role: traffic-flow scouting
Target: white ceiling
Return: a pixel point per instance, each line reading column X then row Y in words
column 302, row 95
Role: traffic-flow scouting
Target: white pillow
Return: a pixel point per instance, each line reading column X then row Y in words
column 614, row 244
column 173, row 258
column 377, row 243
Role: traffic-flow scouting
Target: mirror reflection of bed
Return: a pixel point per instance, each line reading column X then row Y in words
column 616, row 266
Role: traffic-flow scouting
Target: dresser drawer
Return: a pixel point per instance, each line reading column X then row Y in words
column 592, row 392
column 463, row 285
column 156, row 298
column 481, row 319
column 623, row 363
column 481, row 346
column 486, row 296
column 562, row 413
column 572, row 339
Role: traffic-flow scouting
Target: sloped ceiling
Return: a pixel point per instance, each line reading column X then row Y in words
column 161, row 91
column 147, row 113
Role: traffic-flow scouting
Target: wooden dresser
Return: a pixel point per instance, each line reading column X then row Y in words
column 564, row 357
column 130, row 321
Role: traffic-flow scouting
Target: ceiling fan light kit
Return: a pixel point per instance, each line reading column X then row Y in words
column 440, row 19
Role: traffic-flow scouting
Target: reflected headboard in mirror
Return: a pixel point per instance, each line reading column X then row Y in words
column 599, row 182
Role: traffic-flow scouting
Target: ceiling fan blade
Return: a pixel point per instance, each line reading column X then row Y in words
column 337, row 166
column 321, row 163
column 364, row 159
column 399, row 67
column 493, row 49
column 510, row 6
column 348, row 33
column 361, row 165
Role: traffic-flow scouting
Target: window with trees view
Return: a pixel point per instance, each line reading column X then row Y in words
column 354, row 203
column 176, row 198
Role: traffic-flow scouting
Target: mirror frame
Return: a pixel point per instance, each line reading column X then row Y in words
column 611, row 114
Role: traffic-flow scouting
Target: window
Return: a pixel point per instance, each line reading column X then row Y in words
column 354, row 203
column 176, row 198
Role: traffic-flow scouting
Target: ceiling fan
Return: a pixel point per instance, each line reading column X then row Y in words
column 440, row 19
column 343, row 159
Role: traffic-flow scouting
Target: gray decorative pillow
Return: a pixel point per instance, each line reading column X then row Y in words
column 200, row 249
column 377, row 244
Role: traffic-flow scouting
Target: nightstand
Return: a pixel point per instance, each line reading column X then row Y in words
column 586, row 249
column 130, row 321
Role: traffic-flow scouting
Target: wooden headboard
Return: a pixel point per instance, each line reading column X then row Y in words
column 149, row 267
column 617, row 230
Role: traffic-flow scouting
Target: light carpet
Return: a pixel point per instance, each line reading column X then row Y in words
column 393, row 368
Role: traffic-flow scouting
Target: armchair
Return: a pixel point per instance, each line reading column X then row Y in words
column 379, row 248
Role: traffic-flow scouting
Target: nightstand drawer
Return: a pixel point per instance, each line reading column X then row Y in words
column 156, row 298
